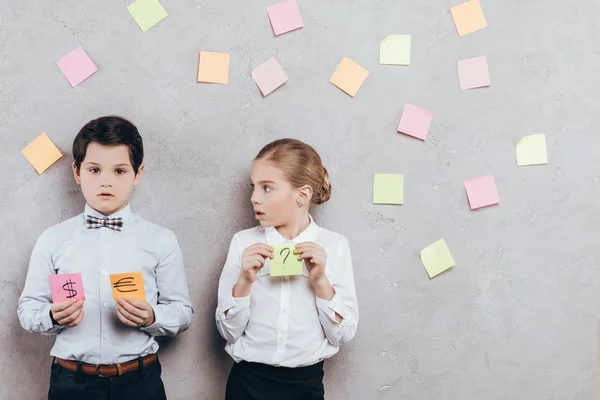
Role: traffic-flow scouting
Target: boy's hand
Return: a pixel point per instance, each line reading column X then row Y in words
column 135, row 313
column 67, row 313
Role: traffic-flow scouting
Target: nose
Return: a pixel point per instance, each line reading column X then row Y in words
column 254, row 199
column 105, row 181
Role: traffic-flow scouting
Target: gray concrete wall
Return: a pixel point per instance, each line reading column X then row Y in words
column 515, row 319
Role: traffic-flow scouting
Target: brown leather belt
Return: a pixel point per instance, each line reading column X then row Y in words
column 107, row 371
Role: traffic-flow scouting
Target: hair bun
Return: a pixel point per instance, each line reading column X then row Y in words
column 325, row 192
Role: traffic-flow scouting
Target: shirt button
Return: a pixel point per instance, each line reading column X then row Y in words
column 280, row 340
column 105, row 337
column 105, row 305
column 104, row 272
column 283, row 312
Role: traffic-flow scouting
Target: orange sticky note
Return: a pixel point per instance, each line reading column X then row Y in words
column 128, row 285
column 41, row 153
column 468, row 17
column 349, row 76
column 213, row 67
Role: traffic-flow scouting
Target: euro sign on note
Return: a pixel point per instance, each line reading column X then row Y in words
column 68, row 287
column 125, row 285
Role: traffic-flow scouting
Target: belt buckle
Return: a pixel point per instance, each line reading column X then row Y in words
column 98, row 374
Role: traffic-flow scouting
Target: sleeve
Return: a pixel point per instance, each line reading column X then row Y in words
column 343, row 303
column 232, row 325
column 35, row 300
column 173, row 311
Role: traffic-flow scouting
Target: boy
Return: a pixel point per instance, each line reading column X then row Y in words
column 106, row 349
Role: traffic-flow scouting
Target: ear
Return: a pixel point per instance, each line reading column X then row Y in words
column 304, row 195
column 138, row 176
column 76, row 173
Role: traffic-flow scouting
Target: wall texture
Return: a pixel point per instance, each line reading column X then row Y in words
column 516, row 317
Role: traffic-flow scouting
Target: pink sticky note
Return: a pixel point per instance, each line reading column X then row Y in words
column 415, row 121
column 473, row 73
column 285, row 17
column 76, row 66
column 482, row 192
column 269, row 76
column 66, row 287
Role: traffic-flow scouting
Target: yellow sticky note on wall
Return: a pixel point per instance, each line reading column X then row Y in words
column 531, row 150
column 147, row 13
column 395, row 50
column 388, row 189
column 285, row 262
column 128, row 285
column 41, row 153
column 437, row 258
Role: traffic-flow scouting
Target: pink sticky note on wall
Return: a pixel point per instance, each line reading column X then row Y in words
column 76, row 66
column 285, row 17
column 269, row 76
column 415, row 121
column 66, row 287
column 482, row 192
column 473, row 73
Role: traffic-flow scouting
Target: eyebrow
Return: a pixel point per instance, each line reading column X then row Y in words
column 118, row 165
column 261, row 182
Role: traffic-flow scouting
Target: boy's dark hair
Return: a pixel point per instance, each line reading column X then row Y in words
column 109, row 131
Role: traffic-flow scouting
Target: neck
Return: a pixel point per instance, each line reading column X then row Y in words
column 294, row 228
column 109, row 213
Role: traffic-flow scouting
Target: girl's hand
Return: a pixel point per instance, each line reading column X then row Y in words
column 315, row 258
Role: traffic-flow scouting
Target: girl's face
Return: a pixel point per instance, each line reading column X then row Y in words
column 274, row 200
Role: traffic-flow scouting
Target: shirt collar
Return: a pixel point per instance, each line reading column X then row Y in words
column 308, row 235
column 125, row 213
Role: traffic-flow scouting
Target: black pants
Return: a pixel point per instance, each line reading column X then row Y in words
column 252, row 381
column 143, row 384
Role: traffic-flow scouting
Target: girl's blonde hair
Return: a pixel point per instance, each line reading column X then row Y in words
column 301, row 165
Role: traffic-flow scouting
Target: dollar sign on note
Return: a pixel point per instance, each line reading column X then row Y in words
column 68, row 286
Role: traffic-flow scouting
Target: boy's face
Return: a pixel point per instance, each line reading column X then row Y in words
column 107, row 178
column 273, row 198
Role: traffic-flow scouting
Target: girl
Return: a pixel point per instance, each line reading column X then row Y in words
column 280, row 329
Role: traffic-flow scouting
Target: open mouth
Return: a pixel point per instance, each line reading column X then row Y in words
column 258, row 214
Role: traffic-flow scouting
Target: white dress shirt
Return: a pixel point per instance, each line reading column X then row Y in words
column 282, row 322
column 101, row 338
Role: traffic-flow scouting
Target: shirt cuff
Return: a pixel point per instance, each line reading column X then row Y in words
column 234, row 305
column 333, row 306
column 45, row 320
column 155, row 328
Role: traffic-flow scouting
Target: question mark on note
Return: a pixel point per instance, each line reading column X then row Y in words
column 287, row 255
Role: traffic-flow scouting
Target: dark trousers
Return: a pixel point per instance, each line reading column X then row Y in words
column 143, row 384
column 252, row 381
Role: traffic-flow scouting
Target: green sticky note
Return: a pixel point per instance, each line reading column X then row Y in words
column 437, row 258
column 147, row 13
column 531, row 150
column 285, row 262
column 388, row 189
column 395, row 50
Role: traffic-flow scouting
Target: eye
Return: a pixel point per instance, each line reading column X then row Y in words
column 121, row 171
column 267, row 188
column 94, row 170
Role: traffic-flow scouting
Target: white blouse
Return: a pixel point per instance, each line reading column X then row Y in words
column 282, row 322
